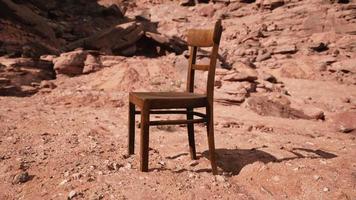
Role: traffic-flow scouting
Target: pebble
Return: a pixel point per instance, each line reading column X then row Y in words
column 193, row 163
column 66, row 174
column 316, row 177
column 220, row 178
column 249, row 128
column 114, row 166
column 346, row 100
column 63, row 182
column 162, row 163
column 344, row 129
column 128, row 166
column 276, row 178
column 325, row 189
column 22, row 177
column 72, row 194
column 77, row 176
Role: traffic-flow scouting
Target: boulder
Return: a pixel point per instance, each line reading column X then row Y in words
column 70, row 63
column 22, row 76
column 187, row 3
column 270, row 4
column 112, row 40
column 226, row 98
column 207, row 11
column 268, row 77
column 318, row 46
column 240, row 76
column 263, row 105
column 345, row 66
column 245, row 71
column 344, row 122
column 129, row 39
column 285, row 49
column 91, row 64
column 263, row 56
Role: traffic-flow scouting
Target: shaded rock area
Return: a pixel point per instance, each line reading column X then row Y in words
column 33, row 29
column 22, row 76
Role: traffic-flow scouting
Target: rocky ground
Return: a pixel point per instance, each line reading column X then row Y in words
column 285, row 102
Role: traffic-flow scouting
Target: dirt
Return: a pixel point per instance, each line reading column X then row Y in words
column 286, row 132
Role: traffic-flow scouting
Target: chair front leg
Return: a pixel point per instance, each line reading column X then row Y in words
column 210, row 133
column 131, row 126
column 145, row 117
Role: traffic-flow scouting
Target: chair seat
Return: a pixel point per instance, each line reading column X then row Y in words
column 162, row 100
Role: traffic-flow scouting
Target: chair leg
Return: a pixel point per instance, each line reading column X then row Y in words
column 211, row 142
column 145, row 117
column 191, row 139
column 131, row 136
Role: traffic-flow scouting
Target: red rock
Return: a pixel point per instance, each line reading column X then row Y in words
column 71, row 63
column 344, row 122
column 240, row 76
column 207, row 11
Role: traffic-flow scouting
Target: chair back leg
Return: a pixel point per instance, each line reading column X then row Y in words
column 190, row 127
column 131, row 126
column 145, row 126
column 210, row 133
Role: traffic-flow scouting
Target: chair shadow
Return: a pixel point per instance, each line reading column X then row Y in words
column 233, row 160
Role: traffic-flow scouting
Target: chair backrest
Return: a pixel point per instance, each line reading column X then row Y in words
column 203, row 38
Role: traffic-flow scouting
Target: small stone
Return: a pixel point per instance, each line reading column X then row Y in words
column 114, row 166
column 162, row 163
column 193, row 163
column 187, row 3
column 220, row 178
column 319, row 47
column 316, row 177
column 96, row 196
column 319, row 115
column 268, row 77
column 72, row 194
column 191, row 175
column 275, row 178
column 63, row 182
column 344, row 129
column 325, row 189
column 126, row 156
column 22, row 177
column 249, row 128
column 77, row 176
column 128, row 166
column 346, row 100
column 47, row 84
column 66, row 174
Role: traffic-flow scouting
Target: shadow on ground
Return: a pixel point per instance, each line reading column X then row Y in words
column 233, row 160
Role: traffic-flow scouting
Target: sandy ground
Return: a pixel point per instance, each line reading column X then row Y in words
column 75, row 140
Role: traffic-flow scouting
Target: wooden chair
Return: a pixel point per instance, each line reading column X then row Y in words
column 164, row 102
